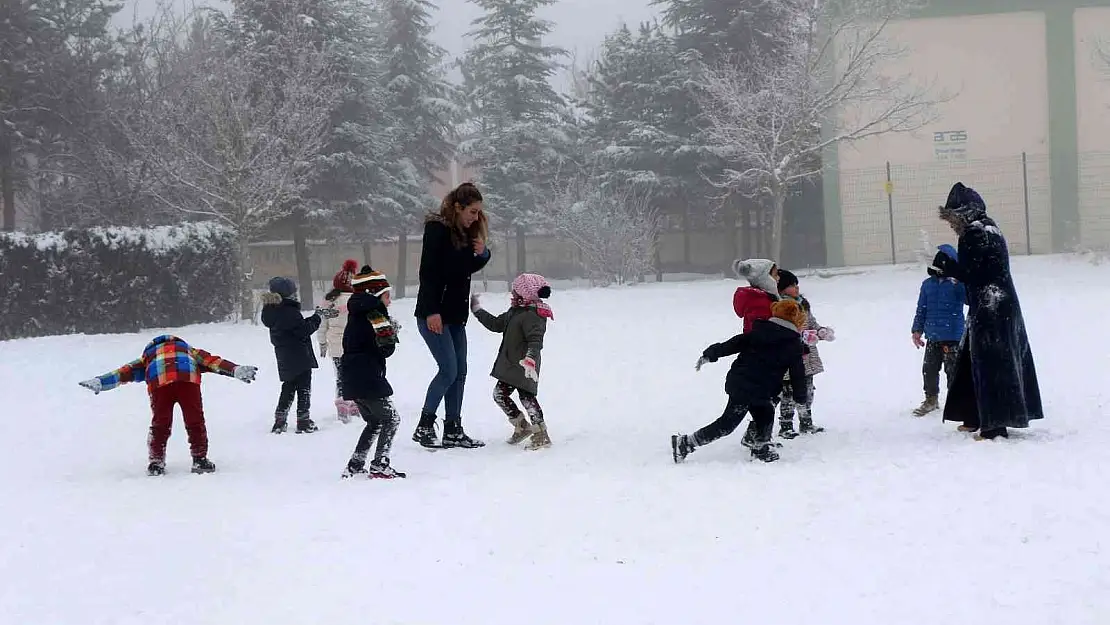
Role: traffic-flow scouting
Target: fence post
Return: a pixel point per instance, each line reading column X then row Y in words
column 890, row 210
column 1025, row 188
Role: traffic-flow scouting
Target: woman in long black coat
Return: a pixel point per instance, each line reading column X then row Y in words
column 994, row 385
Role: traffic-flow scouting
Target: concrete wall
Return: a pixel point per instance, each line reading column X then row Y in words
column 994, row 69
column 1092, row 73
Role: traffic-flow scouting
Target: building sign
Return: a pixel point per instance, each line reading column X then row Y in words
column 950, row 145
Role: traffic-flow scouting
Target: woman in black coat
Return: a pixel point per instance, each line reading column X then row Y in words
column 994, row 385
column 453, row 249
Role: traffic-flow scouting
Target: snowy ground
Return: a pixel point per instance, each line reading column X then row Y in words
column 885, row 519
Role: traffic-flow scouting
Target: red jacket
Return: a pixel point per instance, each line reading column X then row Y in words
column 752, row 304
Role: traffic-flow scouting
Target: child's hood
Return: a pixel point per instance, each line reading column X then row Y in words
column 757, row 271
column 271, row 299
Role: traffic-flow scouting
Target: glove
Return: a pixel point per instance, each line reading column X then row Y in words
column 396, row 325
column 917, row 340
column 327, row 313
column 93, row 385
column 826, row 334
column 323, row 350
column 475, row 303
column 245, row 373
column 530, row 369
column 701, row 361
column 810, row 337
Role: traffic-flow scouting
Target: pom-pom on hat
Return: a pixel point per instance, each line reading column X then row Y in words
column 342, row 280
column 789, row 310
column 370, row 281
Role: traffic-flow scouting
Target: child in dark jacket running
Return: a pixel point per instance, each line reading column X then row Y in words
column 369, row 338
column 764, row 355
column 517, row 367
column 172, row 369
column 940, row 320
column 291, row 335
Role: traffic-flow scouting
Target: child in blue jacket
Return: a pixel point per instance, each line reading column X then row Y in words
column 940, row 319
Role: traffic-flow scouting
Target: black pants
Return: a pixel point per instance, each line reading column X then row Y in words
column 503, row 396
column 301, row 386
column 787, row 407
column 938, row 354
column 338, row 362
column 763, row 415
column 382, row 421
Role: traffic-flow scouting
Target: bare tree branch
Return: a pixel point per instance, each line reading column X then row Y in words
column 773, row 117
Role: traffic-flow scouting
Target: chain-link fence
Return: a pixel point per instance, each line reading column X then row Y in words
column 890, row 213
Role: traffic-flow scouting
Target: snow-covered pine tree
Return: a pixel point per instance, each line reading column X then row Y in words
column 522, row 127
column 422, row 109
column 637, row 117
column 709, row 33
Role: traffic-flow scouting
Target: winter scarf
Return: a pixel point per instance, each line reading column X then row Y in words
column 374, row 282
column 529, row 291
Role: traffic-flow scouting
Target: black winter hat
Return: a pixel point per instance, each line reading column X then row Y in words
column 786, row 280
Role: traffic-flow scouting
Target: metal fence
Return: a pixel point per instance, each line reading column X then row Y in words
column 890, row 213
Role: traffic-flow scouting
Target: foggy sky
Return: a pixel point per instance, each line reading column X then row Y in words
column 579, row 24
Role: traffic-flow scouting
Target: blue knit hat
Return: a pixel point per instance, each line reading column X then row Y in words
column 963, row 203
column 283, row 287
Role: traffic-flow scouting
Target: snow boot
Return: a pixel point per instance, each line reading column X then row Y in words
column 425, row 434
column 203, row 465
column 158, row 467
column 343, row 410
column 280, row 425
column 682, row 445
column 749, row 437
column 540, row 439
column 455, row 437
column 765, row 452
column 990, row 435
column 521, row 430
column 929, row 405
column 805, row 426
column 355, row 467
column 380, row 470
column 305, row 425
column 786, row 429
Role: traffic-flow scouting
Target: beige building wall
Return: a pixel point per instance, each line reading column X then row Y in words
column 994, row 69
column 1092, row 84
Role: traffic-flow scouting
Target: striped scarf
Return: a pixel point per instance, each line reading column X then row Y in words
column 385, row 329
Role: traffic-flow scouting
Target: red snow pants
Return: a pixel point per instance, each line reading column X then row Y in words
column 162, row 401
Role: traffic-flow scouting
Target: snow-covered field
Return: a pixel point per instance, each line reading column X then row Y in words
column 885, row 519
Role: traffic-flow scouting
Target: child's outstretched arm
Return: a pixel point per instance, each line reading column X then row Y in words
column 493, row 324
column 210, row 363
column 134, row 371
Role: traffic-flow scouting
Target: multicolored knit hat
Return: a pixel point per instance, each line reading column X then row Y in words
column 370, row 281
column 530, row 289
column 342, row 280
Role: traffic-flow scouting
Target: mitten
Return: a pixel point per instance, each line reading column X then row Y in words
column 327, row 313
column 701, row 361
column 475, row 303
column 93, row 385
column 810, row 337
column 826, row 334
column 530, row 369
column 245, row 373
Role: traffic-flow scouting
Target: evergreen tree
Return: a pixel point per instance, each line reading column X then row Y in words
column 422, row 108
column 67, row 43
column 718, row 30
column 522, row 126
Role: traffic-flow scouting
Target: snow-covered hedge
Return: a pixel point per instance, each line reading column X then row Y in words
column 106, row 280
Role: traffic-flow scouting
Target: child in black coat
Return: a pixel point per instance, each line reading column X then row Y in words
column 369, row 338
column 291, row 335
column 765, row 354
